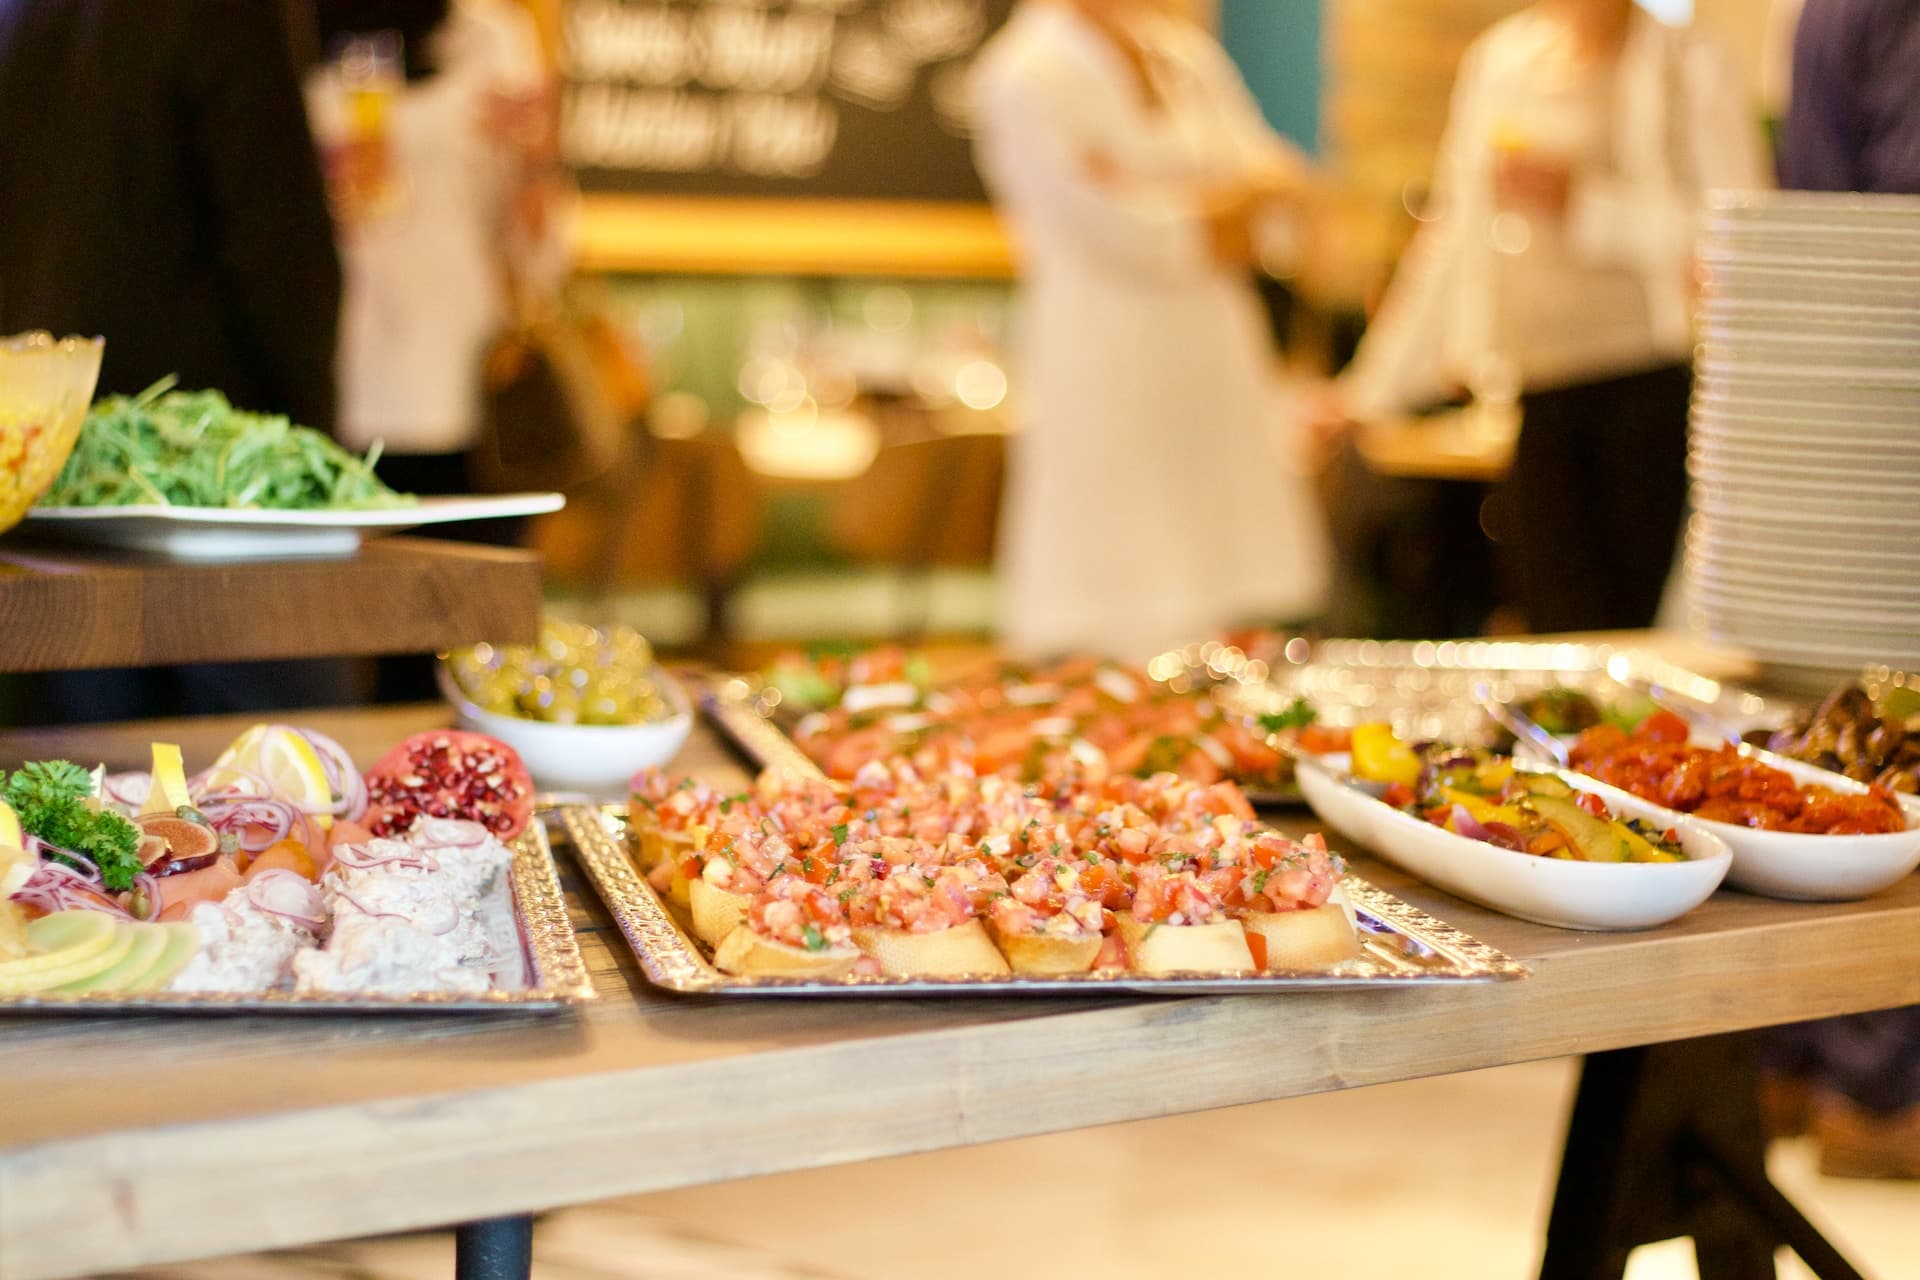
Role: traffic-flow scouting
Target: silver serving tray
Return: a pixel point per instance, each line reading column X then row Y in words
column 737, row 705
column 1426, row 687
column 1403, row 946
column 540, row 906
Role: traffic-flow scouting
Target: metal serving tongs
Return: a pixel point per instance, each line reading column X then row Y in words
column 1522, row 726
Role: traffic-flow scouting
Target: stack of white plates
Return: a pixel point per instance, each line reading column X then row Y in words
column 1805, row 542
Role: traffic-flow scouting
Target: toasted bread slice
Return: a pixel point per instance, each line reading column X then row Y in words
column 965, row 948
column 1186, row 948
column 653, row 846
column 1045, row 955
column 1313, row 938
column 716, row 912
column 749, row 955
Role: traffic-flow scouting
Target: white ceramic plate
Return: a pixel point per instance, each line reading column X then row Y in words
column 1550, row 891
column 1770, row 645
column 1737, row 541
column 1790, row 609
column 1854, row 351
column 1867, row 525
column 1807, row 450
column 1812, row 495
column 1807, row 868
column 1863, row 482
column 1765, row 579
column 221, row 533
column 592, row 758
column 1893, row 378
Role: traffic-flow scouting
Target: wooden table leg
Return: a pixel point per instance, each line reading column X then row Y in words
column 1666, row 1141
column 496, row 1249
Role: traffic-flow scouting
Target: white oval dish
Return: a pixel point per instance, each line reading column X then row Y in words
column 598, row 758
column 1549, row 891
column 1791, row 864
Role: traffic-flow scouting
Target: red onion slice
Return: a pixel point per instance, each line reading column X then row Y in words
column 78, row 865
column 1468, row 825
column 288, row 895
column 57, row 887
column 343, row 776
column 448, row 833
column 441, row 930
column 361, row 857
column 130, row 789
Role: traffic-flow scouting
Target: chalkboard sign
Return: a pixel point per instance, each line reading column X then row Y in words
column 837, row 99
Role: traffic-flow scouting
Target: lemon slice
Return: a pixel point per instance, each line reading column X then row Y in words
column 13, row 932
column 16, row 868
column 11, row 836
column 282, row 758
column 239, row 757
column 169, row 781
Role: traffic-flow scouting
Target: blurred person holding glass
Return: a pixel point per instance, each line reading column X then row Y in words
column 434, row 120
column 1147, row 502
column 435, row 124
column 1557, row 271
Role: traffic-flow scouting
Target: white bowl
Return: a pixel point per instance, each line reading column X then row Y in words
column 594, row 758
column 1550, row 891
column 1805, row 868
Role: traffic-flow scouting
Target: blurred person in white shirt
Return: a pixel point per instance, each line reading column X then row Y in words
column 1582, row 138
column 440, row 216
column 1147, row 503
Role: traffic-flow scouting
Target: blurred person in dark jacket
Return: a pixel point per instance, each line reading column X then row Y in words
column 1853, row 124
column 1853, row 120
column 159, row 187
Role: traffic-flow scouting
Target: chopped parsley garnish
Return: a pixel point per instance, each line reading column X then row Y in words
column 839, row 833
column 846, row 895
column 726, row 805
column 51, row 798
column 1298, row 715
column 813, row 938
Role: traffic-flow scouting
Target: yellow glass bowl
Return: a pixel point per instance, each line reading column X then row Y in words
column 46, row 385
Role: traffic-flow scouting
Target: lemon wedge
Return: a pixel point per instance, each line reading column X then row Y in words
column 16, row 868
column 279, row 756
column 169, row 781
column 11, row 836
column 13, row 931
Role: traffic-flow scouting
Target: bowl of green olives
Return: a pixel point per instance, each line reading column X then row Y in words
column 586, row 707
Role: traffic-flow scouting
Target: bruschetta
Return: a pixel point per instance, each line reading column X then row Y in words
column 1178, row 924
column 794, row 929
column 1047, row 924
column 922, row 919
column 716, row 911
column 1286, row 898
column 1306, row 938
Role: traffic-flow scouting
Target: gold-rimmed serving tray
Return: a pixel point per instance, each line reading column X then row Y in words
column 1401, row 945
column 557, row 973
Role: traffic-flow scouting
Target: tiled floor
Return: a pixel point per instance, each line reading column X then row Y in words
column 1443, row 1179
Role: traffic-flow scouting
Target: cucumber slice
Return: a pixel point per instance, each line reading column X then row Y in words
column 1596, row 839
column 183, row 944
column 77, row 945
column 146, row 942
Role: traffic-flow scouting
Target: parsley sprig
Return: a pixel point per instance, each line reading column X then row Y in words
column 52, row 798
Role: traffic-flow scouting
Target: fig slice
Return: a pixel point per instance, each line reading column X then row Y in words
column 187, row 846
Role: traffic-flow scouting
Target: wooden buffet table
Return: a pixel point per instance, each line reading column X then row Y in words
column 129, row 1141
column 65, row 609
